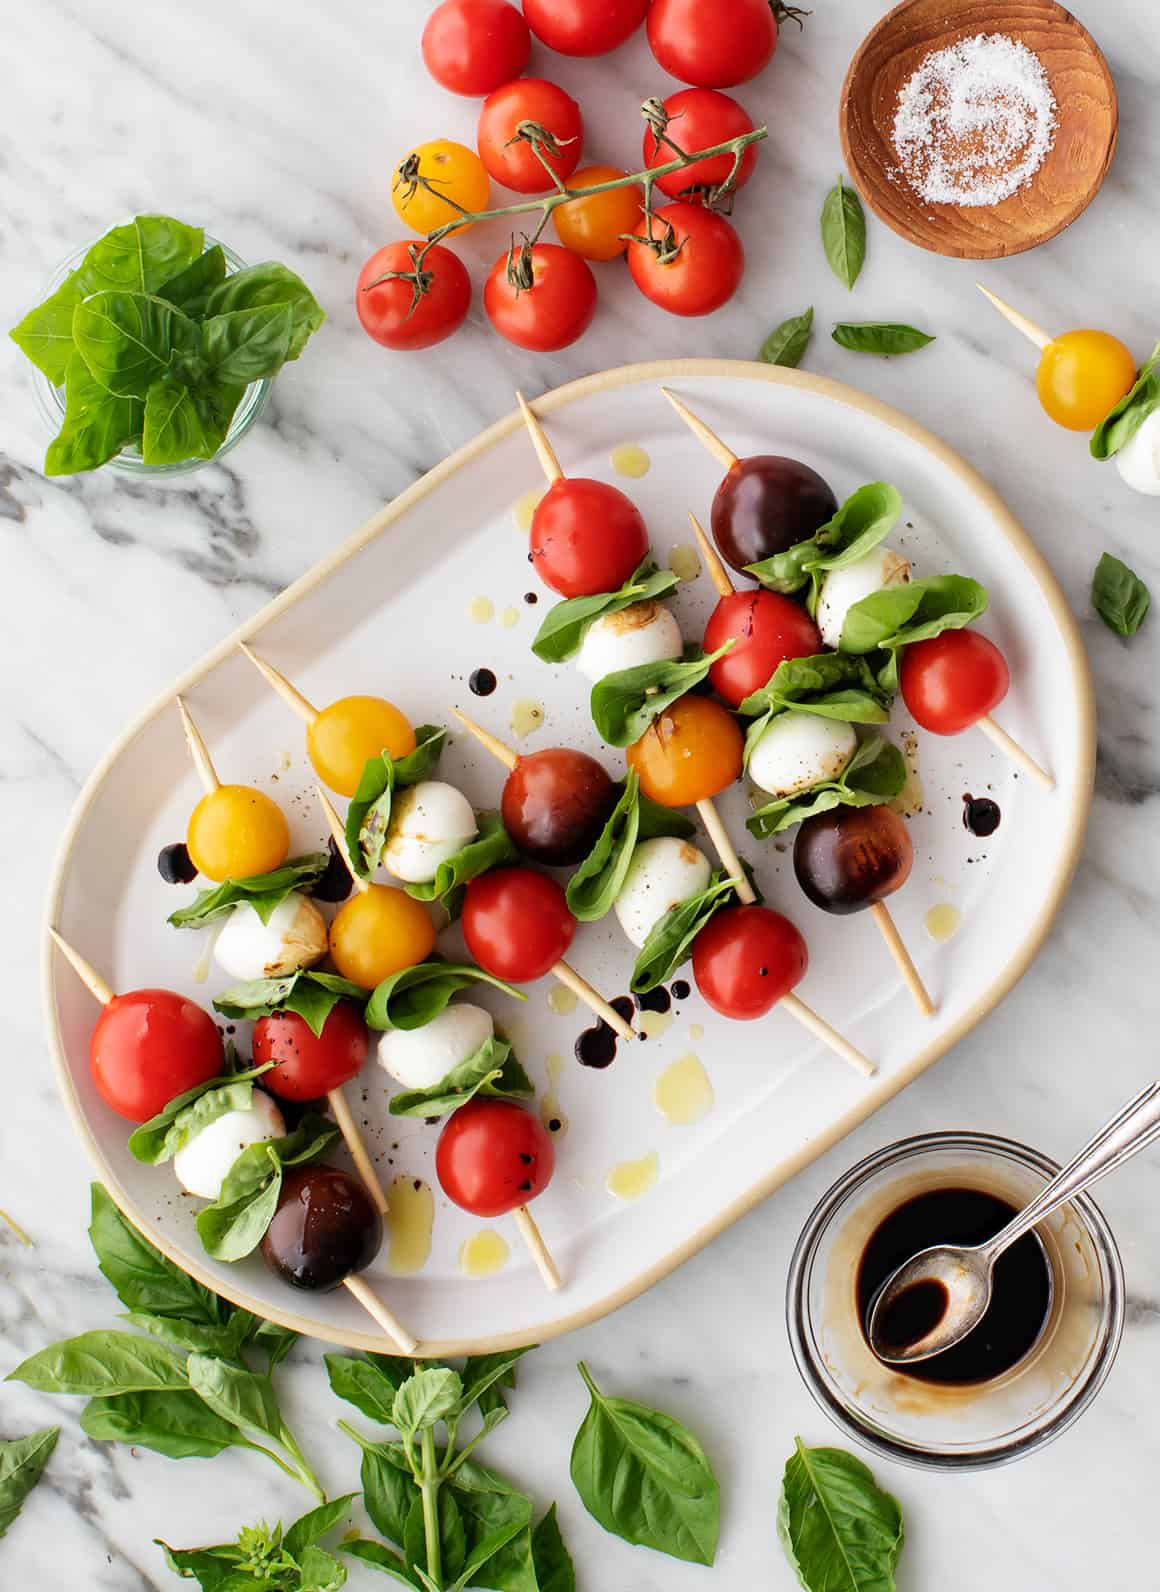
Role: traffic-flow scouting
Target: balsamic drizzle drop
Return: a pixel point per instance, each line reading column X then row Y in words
column 482, row 682
column 981, row 815
column 596, row 1046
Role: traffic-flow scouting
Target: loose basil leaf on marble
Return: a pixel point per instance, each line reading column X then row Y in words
column 879, row 337
column 265, row 285
column 22, row 1461
column 242, row 346
column 627, row 701
column 233, row 1226
column 128, row 340
column 553, row 1563
column 176, row 1423
column 238, row 1395
column 101, row 1363
column 844, row 233
column 670, row 940
column 191, row 1337
column 786, row 344
column 645, row 1478
column 97, row 424
column 425, row 1399
column 1121, row 423
column 263, row 891
column 490, row 1070
column 275, row 1341
column 190, row 288
column 141, row 1276
column 491, row 847
column 313, row 995
column 866, row 518
column 837, row 1526
column 142, row 255
column 565, row 624
column 45, row 335
column 898, row 616
column 876, row 773
column 1119, row 596
column 187, row 1114
column 413, row 996
column 369, row 813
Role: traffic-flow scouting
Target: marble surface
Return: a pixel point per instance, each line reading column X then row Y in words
column 278, row 128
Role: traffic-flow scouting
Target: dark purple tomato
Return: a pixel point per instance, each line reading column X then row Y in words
column 325, row 1229
column 849, row 858
column 767, row 504
column 555, row 803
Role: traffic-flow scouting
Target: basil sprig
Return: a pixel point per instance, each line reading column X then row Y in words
column 837, row 1526
column 565, row 624
column 787, row 343
column 414, row 995
column 22, row 1461
column 265, row 1557
column 311, row 994
column 670, row 940
column 897, row 616
column 1119, row 596
column 491, row 847
column 185, row 1116
column 875, row 773
column 490, row 1070
column 234, row 1225
column 627, row 701
column 600, row 877
column 844, row 233
column 1121, row 424
column 369, row 813
column 866, row 518
column 830, row 685
column 263, row 891
column 879, row 337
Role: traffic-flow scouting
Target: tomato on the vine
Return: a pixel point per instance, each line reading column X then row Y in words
column 586, row 537
column 700, row 261
column 746, row 959
column 584, row 27
column 595, row 226
column 387, row 305
column 952, row 680
column 513, row 160
column 493, row 1156
column 516, row 923
column 149, row 1046
column 698, row 119
column 553, row 311
column 712, row 46
column 474, row 46
column 766, row 629
column 457, row 182
column 309, row 1065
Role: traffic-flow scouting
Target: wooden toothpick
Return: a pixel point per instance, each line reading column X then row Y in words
column 1030, row 330
column 897, row 948
column 821, row 1029
column 498, row 749
column 544, row 450
column 198, row 751
column 540, row 1252
column 338, row 830
column 290, row 694
column 386, row 1319
column 709, row 557
column 720, row 451
column 1011, row 748
column 89, row 977
column 723, row 846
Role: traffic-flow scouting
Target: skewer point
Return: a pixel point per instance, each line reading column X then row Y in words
column 97, row 987
column 711, row 559
column 338, row 830
column 544, row 450
column 540, row 1252
column 278, row 682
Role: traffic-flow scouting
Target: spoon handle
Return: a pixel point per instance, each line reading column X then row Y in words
column 1129, row 1132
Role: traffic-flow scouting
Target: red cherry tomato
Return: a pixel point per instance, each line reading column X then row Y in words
column 517, row 165
column 703, row 273
column 586, row 537
column 713, row 46
column 309, row 1065
column 475, row 46
column 584, row 27
column 553, row 312
column 493, row 1156
column 766, row 629
column 150, row 1045
column 389, row 311
column 699, row 118
column 746, row 959
column 516, row 923
column 952, row 680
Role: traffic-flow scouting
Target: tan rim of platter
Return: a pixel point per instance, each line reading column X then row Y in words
column 875, row 1095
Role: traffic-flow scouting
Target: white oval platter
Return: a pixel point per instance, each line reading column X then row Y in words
column 388, row 613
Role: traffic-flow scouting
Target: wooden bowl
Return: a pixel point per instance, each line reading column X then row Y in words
column 1074, row 168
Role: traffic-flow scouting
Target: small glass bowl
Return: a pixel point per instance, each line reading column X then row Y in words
column 937, row 1426
column 52, row 399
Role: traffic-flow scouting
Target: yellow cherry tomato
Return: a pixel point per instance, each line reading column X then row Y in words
column 1082, row 375
column 378, row 932
column 592, row 227
column 453, row 173
column 236, row 831
column 688, row 753
column 350, row 731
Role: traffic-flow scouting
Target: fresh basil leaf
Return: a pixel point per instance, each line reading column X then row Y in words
column 100, row 1363
column 565, row 625
column 128, row 340
column 485, row 1371
column 176, row 1423
column 174, row 427
column 141, row 1275
column 855, row 529
column 45, row 335
column 233, row 1226
column 316, row 1524
column 214, row 1569
column 310, row 993
column 389, row 1489
column 246, row 345
column 276, row 1341
column 844, row 233
column 829, row 685
column 786, row 344
column 897, row 616
column 1119, row 596
column 645, row 1478
column 269, row 284
column 879, row 337
column 491, row 847
column 554, row 1569
column 142, row 255
column 497, row 1519
column 379, row 1558
column 320, row 1571
column 413, row 996
column 22, row 1461
column 1121, row 423
column 452, row 1538
column 363, row 1384
column 473, row 1569
column 188, row 1335
column 627, row 701
column 190, row 288
column 600, row 877
column 656, row 821
column 369, row 814
column 263, row 891
column 837, row 1526
column 187, row 1114
column 239, row 1395
column 97, row 424
column 670, row 940
column 876, row 773
column 491, row 1070
column 425, row 1399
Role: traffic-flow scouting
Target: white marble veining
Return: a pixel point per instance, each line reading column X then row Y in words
column 278, row 126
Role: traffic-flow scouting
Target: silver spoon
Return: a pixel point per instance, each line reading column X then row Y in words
column 963, row 1275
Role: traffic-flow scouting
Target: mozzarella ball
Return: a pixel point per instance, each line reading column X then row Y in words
column 842, row 588
column 641, row 633
column 1138, row 461
column 800, row 750
column 662, row 873
column 202, row 1165
column 430, row 822
column 418, row 1058
column 294, row 937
